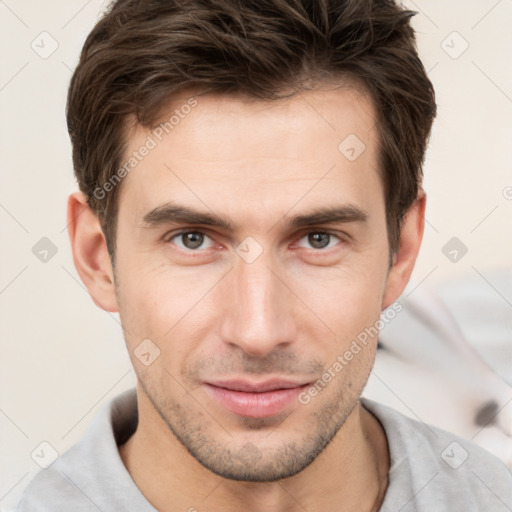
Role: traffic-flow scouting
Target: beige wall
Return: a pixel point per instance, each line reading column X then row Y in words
column 61, row 357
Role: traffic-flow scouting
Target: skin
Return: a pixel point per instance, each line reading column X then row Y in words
column 289, row 313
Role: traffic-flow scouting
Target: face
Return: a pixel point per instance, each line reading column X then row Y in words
column 251, row 252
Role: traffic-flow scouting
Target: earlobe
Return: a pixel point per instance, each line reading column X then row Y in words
column 411, row 236
column 90, row 253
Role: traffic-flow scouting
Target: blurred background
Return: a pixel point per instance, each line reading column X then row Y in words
column 62, row 357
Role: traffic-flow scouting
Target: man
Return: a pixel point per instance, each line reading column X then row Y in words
column 250, row 202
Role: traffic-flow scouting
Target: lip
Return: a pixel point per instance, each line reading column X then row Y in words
column 255, row 399
column 256, row 387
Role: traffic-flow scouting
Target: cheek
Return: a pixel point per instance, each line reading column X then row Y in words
column 164, row 303
column 347, row 299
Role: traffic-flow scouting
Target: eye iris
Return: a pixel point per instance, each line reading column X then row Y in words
column 192, row 240
column 319, row 240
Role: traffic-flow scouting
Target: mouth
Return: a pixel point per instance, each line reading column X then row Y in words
column 255, row 399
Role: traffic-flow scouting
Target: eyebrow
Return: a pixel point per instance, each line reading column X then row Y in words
column 173, row 213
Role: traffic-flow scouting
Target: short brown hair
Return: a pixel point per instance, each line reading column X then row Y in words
column 142, row 53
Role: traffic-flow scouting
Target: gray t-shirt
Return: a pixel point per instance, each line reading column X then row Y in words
column 431, row 470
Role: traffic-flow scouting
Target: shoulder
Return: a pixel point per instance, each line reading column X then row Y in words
column 48, row 490
column 432, row 469
column 90, row 475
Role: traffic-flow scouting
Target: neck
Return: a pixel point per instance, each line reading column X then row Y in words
column 349, row 474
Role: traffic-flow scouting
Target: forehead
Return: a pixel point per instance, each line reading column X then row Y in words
column 231, row 151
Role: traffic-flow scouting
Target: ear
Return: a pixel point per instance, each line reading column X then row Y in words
column 411, row 235
column 90, row 254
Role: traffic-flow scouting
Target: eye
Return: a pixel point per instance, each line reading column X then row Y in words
column 190, row 240
column 320, row 240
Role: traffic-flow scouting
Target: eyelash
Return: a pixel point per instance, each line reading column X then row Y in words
column 170, row 237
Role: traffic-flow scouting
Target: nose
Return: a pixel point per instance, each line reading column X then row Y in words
column 258, row 311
